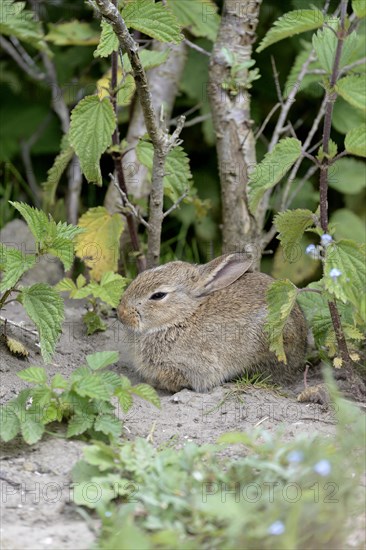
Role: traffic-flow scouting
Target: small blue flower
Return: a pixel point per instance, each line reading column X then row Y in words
column 312, row 251
column 277, row 528
column 323, row 467
column 295, row 456
column 326, row 239
column 335, row 273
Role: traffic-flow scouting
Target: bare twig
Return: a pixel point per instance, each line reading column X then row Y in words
column 196, row 47
column 277, row 81
column 127, row 204
column 30, row 70
column 266, row 120
column 197, row 120
column 176, row 204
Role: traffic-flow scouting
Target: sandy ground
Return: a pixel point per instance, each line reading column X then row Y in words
column 37, row 511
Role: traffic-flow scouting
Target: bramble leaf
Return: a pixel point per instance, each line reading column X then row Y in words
column 37, row 220
column 9, row 422
column 92, row 386
column 152, row 19
column 272, row 169
column 98, row 245
column 281, row 298
column 35, row 375
column 291, row 23
column 45, row 307
column 108, row 41
column 108, row 424
column 31, row 430
column 91, row 127
column 78, row 424
column 146, row 392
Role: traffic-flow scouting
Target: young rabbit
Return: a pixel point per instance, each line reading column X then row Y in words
column 197, row 326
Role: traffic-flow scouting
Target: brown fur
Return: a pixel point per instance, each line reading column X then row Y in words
column 209, row 327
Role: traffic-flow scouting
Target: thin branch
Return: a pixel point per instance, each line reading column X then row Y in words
column 127, row 204
column 277, row 81
column 195, row 47
column 266, row 120
column 351, row 66
column 176, row 204
column 197, row 120
column 173, row 121
column 19, row 325
column 31, row 70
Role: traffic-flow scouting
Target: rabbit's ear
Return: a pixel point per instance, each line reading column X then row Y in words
column 222, row 272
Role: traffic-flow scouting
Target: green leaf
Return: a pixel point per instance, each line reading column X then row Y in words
column 91, row 127
column 93, row 323
column 55, row 172
column 355, row 141
column 359, row 7
column 348, row 176
column 78, row 424
column 110, row 289
column 62, row 249
column 291, row 23
column 346, row 117
column 272, row 169
column 348, row 258
column 45, row 307
column 59, row 382
column 37, row 220
column 99, row 245
column 108, row 424
column 72, row 33
column 200, row 17
column 148, row 393
column 108, row 41
column 353, row 89
column 178, row 174
column 292, row 224
column 102, row 359
column 9, row 422
column 35, row 375
column 65, row 285
column 31, row 430
column 124, row 398
column 92, row 494
column 100, row 455
column 325, row 45
column 15, row 263
column 92, row 386
column 310, row 82
column 20, row 23
column 281, row 298
column 149, row 59
column 152, row 19
column 110, row 379
column 348, row 225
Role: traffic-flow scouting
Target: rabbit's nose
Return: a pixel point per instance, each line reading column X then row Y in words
column 121, row 312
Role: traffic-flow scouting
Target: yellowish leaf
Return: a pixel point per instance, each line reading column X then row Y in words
column 98, row 245
column 16, row 347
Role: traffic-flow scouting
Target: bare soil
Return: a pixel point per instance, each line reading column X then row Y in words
column 37, row 511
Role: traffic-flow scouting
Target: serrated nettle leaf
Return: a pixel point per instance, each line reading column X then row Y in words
column 91, row 127
column 91, row 385
column 108, row 424
column 325, row 45
column 9, row 423
column 65, row 285
column 281, row 298
column 332, row 151
column 102, row 359
column 80, row 281
column 292, row 224
column 54, row 174
column 31, row 430
column 64, row 250
column 59, row 382
column 37, row 220
column 146, row 392
column 99, row 245
column 359, row 7
column 20, row 23
column 272, row 169
column 200, row 17
column 291, row 23
column 108, row 41
column 345, row 271
column 352, row 332
column 36, row 375
column 124, row 398
column 78, row 424
column 347, row 175
column 93, row 323
column 152, row 19
column 355, row 141
column 353, row 89
column 67, row 231
column 14, row 263
column 178, row 174
column 110, row 289
column 45, row 307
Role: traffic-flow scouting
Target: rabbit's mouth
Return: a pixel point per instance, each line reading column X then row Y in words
column 129, row 317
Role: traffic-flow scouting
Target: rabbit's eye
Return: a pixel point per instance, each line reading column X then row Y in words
column 158, row 296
